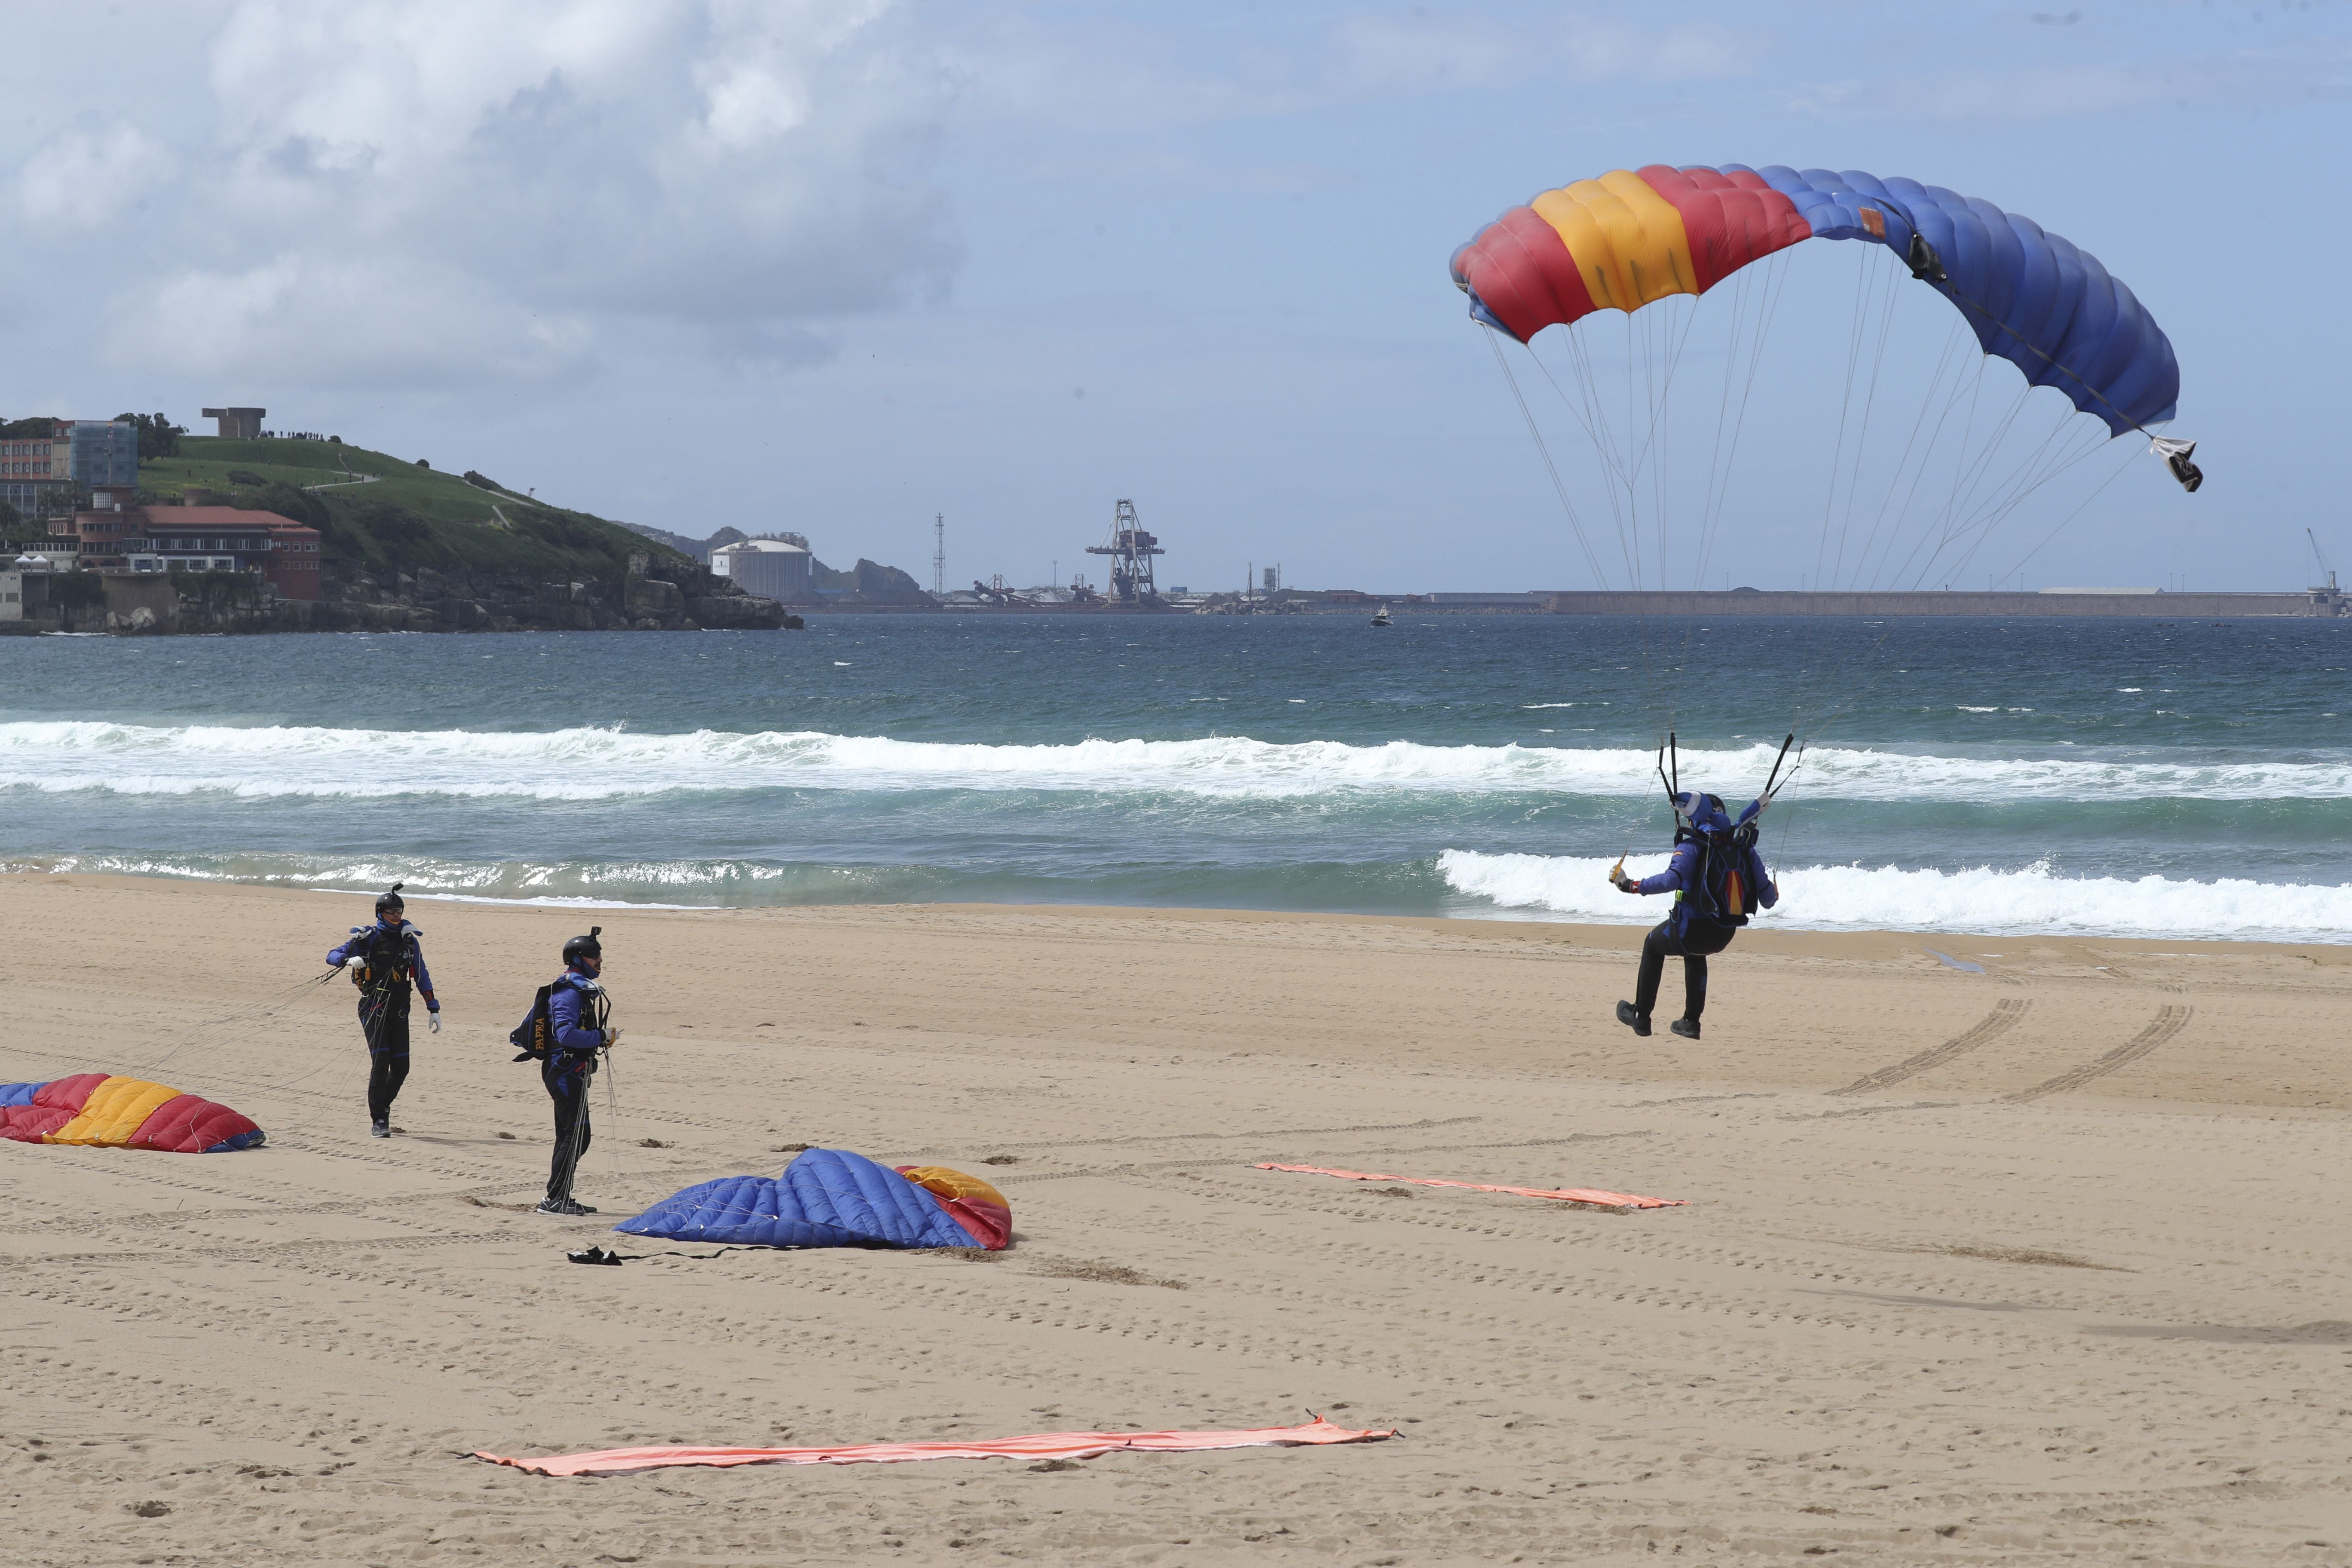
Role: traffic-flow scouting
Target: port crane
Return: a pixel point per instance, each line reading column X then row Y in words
column 1130, row 550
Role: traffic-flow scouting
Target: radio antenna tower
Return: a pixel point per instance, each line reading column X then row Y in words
column 1130, row 550
column 938, row 555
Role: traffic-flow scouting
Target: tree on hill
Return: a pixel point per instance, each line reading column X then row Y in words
column 22, row 429
column 158, row 436
column 15, row 528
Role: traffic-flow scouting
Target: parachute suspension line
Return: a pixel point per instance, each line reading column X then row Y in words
column 1595, row 419
column 1862, row 437
column 1751, row 306
column 1965, row 385
column 1558, row 488
column 1658, row 383
column 1719, row 469
column 1970, row 476
column 2049, row 460
column 1969, row 519
column 1863, row 571
column 2120, row 469
column 1845, row 407
column 236, row 1025
column 2014, row 492
column 1867, row 287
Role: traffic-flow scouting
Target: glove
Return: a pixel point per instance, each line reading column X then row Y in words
column 433, row 1021
column 612, row 1035
column 1625, row 884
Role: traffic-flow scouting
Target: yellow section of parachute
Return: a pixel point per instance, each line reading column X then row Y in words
column 1629, row 242
column 113, row 1113
column 950, row 1183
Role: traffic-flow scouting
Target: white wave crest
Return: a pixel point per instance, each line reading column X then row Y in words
column 1992, row 902
column 596, row 763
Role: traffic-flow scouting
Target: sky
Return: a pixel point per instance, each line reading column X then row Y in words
column 840, row 268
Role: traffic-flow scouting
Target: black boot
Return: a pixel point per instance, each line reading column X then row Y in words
column 1687, row 1027
column 1637, row 1021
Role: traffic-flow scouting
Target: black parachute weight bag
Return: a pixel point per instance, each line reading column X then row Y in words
column 531, row 1037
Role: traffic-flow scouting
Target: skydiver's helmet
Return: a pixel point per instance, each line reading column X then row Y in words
column 581, row 947
column 388, row 902
column 1699, row 816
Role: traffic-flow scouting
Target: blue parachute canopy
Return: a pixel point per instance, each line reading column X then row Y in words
column 826, row 1198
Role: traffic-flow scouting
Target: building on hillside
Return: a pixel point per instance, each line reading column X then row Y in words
column 198, row 539
column 771, row 568
column 26, row 476
column 39, row 475
column 102, row 452
column 238, row 424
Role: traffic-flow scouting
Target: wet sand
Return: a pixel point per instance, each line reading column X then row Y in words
column 2047, row 1261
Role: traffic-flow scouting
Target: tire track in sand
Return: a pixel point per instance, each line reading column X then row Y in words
column 2168, row 1021
column 2004, row 1016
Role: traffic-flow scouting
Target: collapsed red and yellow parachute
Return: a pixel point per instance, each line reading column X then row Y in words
column 102, row 1111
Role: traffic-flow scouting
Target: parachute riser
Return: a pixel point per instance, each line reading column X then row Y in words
column 1771, row 781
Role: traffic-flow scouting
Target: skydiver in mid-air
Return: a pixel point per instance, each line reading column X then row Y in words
column 1717, row 879
column 390, row 962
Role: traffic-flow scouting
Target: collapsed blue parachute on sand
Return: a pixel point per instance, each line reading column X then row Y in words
column 831, row 1198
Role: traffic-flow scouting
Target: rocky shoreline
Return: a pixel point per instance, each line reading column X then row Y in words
column 424, row 600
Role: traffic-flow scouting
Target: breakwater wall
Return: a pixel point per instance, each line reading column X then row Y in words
column 1759, row 602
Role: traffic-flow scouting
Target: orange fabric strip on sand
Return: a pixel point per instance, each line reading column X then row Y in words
column 1044, row 1445
column 1565, row 1195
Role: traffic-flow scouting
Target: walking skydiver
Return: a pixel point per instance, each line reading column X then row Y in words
column 567, row 1028
column 386, row 960
column 1718, row 880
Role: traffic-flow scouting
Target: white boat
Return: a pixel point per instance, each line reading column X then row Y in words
column 1382, row 618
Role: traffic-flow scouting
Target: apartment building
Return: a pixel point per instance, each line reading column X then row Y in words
column 72, row 455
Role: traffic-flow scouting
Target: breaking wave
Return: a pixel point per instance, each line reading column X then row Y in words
column 2032, row 900
column 589, row 763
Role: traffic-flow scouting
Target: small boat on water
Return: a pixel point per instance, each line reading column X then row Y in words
column 1382, row 618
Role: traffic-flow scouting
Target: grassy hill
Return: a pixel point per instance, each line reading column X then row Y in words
column 378, row 511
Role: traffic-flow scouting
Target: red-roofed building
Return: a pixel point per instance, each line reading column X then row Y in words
column 201, row 539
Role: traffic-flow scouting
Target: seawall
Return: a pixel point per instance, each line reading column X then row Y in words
column 1755, row 602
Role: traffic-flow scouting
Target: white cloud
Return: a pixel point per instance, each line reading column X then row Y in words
column 86, row 176
column 1425, row 53
column 2307, row 70
column 408, row 190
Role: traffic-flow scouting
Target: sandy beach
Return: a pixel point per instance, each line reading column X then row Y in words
column 2045, row 1261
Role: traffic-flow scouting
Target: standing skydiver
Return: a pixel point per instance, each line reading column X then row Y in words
column 568, row 1025
column 1718, row 880
column 390, row 962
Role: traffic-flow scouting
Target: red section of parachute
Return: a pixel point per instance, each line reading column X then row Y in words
column 1729, row 220
column 990, row 1225
column 1523, row 271
column 70, row 1094
column 190, row 1125
column 31, row 1123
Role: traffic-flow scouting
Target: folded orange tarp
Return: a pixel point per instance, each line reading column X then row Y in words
column 1044, row 1445
column 1565, row 1195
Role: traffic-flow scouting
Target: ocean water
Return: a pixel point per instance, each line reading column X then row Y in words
column 2179, row 779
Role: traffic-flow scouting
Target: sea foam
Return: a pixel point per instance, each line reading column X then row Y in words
column 2031, row 900
column 598, row 763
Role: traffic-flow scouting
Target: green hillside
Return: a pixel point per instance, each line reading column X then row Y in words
column 377, row 511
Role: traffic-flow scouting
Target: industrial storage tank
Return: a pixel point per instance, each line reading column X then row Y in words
column 768, row 567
